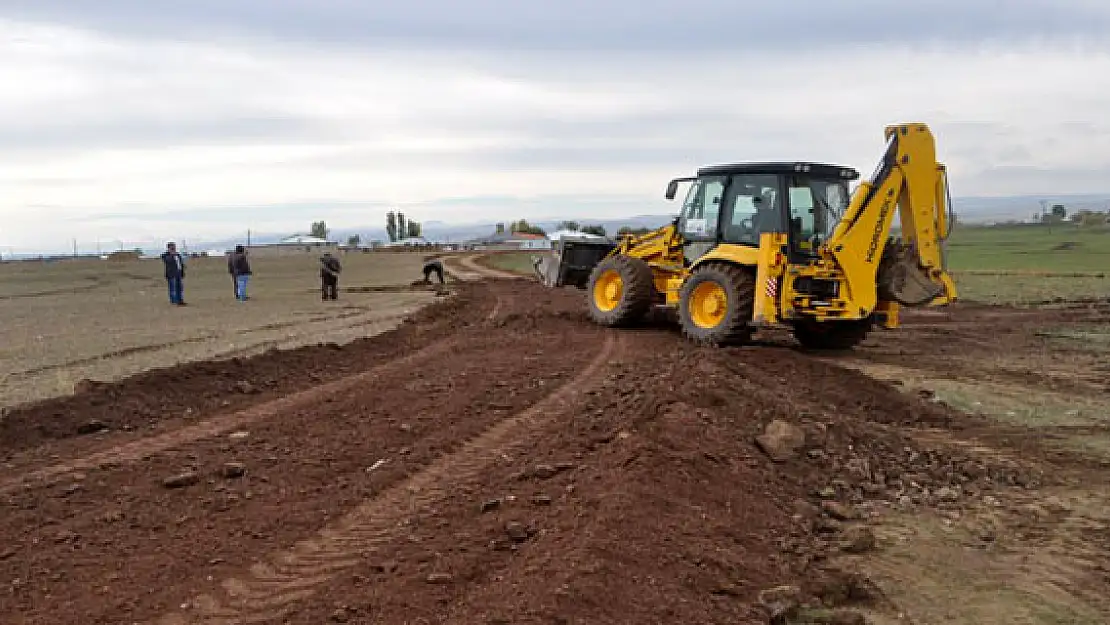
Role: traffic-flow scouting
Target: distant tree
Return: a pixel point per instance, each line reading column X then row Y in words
column 524, row 227
column 402, row 226
column 599, row 230
column 499, row 228
column 1089, row 218
column 1059, row 211
column 625, row 230
column 354, row 240
column 414, row 229
column 391, row 225
column 569, row 225
column 319, row 229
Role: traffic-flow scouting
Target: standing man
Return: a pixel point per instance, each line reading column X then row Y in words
column 242, row 271
column 329, row 276
column 175, row 273
column 231, row 272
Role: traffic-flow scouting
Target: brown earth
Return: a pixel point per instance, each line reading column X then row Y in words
column 496, row 459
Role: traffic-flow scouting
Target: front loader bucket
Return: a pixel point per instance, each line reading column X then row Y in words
column 570, row 262
column 546, row 268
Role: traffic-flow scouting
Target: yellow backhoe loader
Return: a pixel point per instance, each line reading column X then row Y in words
column 780, row 243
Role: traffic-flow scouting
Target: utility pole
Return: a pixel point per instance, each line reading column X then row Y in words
column 75, row 248
column 248, row 237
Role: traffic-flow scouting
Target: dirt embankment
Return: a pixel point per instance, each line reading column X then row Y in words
column 498, row 459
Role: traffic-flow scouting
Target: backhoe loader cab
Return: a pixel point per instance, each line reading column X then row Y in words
column 738, row 204
column 784, row 243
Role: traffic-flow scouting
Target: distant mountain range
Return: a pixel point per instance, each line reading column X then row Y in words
column 440, row 231
column 968, row 209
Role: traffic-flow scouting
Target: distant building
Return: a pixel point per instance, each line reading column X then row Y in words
column 410, row 242
column 123, row 255
column 574, row 234
column 305, row 239
column 294, row 244
column 511, row 241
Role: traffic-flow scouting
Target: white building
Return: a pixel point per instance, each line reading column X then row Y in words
column 574, row 234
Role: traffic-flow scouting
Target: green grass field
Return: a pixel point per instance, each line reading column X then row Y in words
column 997, row 264
column 1035, row 248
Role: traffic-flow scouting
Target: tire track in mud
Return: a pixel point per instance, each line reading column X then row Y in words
column 137, row 450
column 268, row 589
column 471, row 263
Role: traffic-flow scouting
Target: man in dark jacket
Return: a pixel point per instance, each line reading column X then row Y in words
column 329, row 276
column 231, row 272
column 241, row 268
column 433, row 266
column 175, row 273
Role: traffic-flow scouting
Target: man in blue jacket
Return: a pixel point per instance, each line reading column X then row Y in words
column 175, row 273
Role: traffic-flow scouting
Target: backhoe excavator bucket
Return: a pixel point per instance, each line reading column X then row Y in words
column 570, row 262
column 901, row 278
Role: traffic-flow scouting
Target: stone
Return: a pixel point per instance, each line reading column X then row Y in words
column 245, row 387
column 781, row 440
column 544, row 471
column 181, row 480
column 858, row 539
column 839, row 511
column 782, row 602
column 859, row 469
column 825, row 525
column 541, row 500
column 233, row 470
column 517, row 532
column 947, row 494
column 91, row 427
column 489, row 506
column 439, row 578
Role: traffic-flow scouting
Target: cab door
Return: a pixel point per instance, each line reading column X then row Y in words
column 700, row 222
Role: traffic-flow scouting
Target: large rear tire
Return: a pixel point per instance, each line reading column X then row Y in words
column 621, row 291
column 832, row 335
column 716, row 305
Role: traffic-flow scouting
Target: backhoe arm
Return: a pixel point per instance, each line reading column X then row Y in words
column 911, row 272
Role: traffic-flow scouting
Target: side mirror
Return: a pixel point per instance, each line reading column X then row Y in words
column 672, row 189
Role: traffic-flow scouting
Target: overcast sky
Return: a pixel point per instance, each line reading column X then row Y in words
column 155, row 119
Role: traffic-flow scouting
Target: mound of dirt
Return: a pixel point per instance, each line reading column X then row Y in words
column 497, row 459
column 186, row 391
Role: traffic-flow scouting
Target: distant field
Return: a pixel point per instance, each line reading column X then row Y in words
column 1019, row 264
column 1065, row 249
column 520, row 262
column 64, row 321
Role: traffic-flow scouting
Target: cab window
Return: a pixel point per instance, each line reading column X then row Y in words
column 755, row 208
column 816, row 206
column 701, row 210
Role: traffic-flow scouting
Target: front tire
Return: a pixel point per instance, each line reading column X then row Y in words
column 716, row 305
column 621, row 291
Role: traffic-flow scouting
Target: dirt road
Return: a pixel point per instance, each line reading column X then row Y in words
column 495, row 459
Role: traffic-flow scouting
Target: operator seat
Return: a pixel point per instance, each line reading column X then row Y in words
column 766, row 217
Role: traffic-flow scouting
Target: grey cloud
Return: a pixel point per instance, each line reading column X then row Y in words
column 643, row 25
column 998, row 180
column 60, row 135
